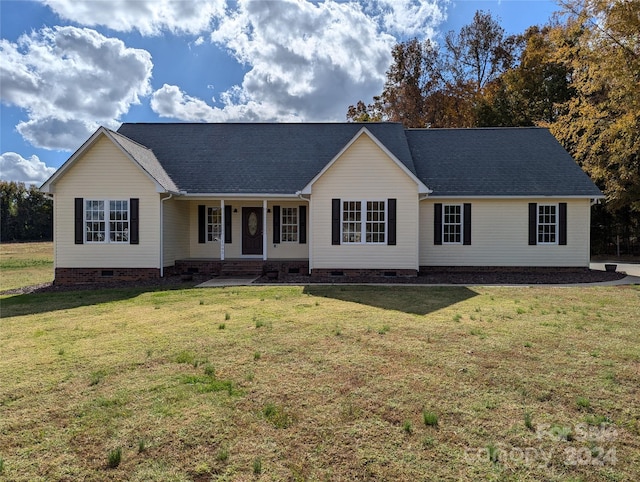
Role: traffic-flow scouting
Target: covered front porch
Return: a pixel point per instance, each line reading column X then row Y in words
column 236, row 236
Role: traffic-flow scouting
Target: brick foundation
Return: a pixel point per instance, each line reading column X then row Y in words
column 364, row 273
column 500, row 269
column 73, row 276
column 240, row 267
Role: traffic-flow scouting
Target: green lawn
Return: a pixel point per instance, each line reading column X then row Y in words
column 25, row 264
column 321, row 383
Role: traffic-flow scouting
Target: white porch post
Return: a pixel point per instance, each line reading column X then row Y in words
column 222, row 233
column 264, row 229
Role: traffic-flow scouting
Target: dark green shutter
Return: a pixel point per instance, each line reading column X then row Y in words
column 562, row 223
column 202, row 214
column 391, row 235
column 335, row 221
column 227, row 224
column 276, row 224
column 466, row 224
column 134, row 223
column 533, row 224
column 302, row 226
column 79, row 220
column 437, row 223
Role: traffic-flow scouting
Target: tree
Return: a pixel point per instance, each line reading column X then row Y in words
column 600, row 126
column 25, row 214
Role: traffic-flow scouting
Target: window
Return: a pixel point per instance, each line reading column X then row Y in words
column 375, row 221
column 367, row 227
column 289, row 225
column 452, row 224
column 214, row 224
column 547, row 223
column 98, row 230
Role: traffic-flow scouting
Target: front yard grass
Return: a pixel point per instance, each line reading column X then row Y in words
column 25, row 264
column 321, row 383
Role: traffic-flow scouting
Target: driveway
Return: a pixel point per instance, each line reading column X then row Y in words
column 632, row 269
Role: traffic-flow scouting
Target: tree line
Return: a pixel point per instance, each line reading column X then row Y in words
column 579, row 76
column 26, row 214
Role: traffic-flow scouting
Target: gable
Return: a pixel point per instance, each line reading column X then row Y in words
column 368, row 159
column 137, row 155
column 104, row 169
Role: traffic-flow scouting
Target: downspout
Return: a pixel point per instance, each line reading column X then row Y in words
column 310, row 226
column 162, row 233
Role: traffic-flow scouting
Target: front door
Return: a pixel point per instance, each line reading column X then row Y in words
column 252, row 231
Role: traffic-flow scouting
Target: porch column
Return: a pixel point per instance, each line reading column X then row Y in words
column 222, row 233
column 264, row 229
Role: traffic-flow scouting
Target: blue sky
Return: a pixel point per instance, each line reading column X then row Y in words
column 69, row 66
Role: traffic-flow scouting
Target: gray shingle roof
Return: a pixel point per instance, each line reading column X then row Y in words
column 147, row 160
column 254, row 158
column 282, row 158
column 496, row 162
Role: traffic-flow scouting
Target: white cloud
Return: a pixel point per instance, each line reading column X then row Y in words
column 14, row 167
column 149, row 17
column 70, row 80
column 306, row 60
column 408, row 18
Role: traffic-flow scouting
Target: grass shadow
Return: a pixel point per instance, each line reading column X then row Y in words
column 49, row 301
column 417, row 300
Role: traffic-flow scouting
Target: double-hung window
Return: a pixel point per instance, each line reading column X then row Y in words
column 214, row 223
column 289, row 224
column 106, row 221
column 364, row 222
column 547, row 223
column 452, row 224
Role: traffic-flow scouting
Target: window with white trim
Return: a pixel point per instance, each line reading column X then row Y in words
column 452, row 224
column 364, row 227
column 214, row 224
column 289, row 224
column 106, row 221
column 375, row 228
column 547, row 223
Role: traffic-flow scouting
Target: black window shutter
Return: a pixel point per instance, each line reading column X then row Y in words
column 391, row 235
column 201, row 224
column 276, row 224
column 562, row 224
column 437, row 223
column 227, row 224
column 466, row 224
column 335, row 221
column 302, row 227
column 134, row 223
column 533, row 224
column 79, row 220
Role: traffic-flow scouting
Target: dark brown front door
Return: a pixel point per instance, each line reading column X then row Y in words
column 251, row 230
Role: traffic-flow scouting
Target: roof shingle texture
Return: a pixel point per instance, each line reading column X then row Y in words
column 496, row 162
column 282, row 158
column 254, row 158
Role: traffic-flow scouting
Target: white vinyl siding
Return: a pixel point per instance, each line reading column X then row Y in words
column 176, row 230
column 500, row 232
column 364, row 172
column 104, row 172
